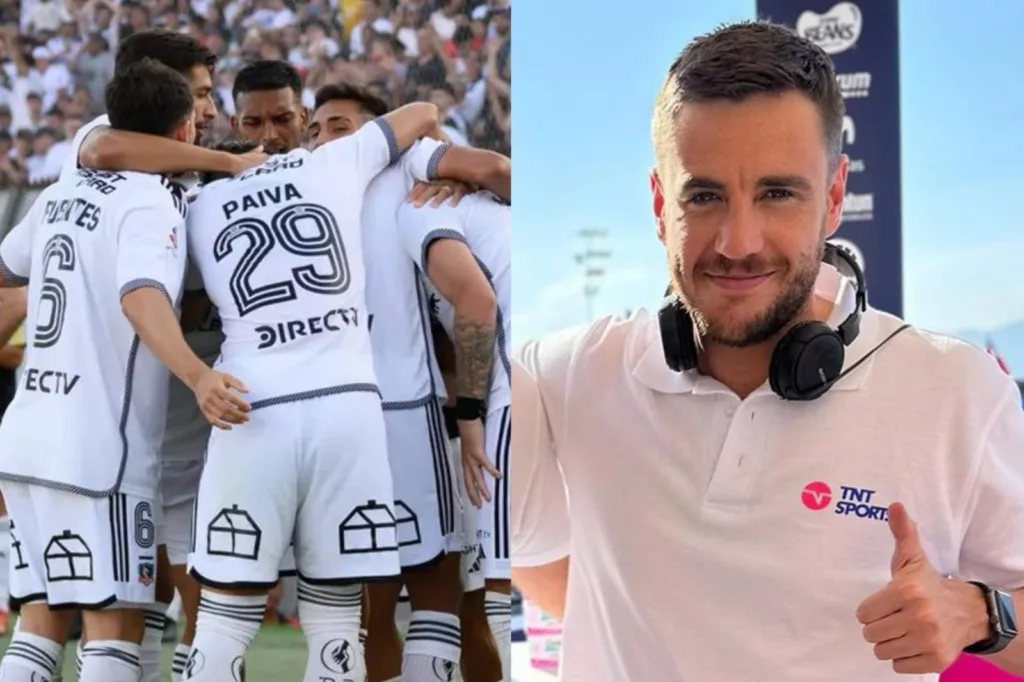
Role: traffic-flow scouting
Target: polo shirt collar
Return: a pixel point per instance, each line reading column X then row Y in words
column 651, row 370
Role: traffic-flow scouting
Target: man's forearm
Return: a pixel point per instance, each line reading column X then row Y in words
column 545, row 585
column 475, row 329
column 478, row 167
column 153, row 318
column 121, row 150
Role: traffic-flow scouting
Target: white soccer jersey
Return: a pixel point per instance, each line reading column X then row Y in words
column 280, row 252
column 89, row 412
column 486, row 226
column 398, row 304
column 70, row 166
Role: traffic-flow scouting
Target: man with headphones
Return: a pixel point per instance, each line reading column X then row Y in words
column 769, row 479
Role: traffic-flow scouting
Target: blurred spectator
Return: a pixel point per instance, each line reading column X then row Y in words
column 58, row 55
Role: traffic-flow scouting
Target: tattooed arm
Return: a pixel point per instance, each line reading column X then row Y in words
column 453, row 270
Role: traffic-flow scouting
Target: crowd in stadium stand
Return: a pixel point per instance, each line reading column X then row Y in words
column 58, row 55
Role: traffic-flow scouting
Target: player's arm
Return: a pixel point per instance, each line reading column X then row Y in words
column 150, row 271
column 410, row 122
column 430, row 160
column 122, row 150
column 16, row 252
column 539, row 503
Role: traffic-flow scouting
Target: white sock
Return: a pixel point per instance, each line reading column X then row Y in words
column 432, row 647
column 499, row 616
column 111, row 660
column 178, row 664
column 225, row 627
column 330, row 617
column 29, row 657
column 153, row 642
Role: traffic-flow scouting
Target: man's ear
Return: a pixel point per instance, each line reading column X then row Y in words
column 659, row 203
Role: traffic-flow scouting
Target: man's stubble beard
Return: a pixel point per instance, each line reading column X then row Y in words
column 769, row 323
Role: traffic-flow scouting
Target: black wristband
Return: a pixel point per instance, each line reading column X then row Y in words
column 470, row 409
column 451, row 424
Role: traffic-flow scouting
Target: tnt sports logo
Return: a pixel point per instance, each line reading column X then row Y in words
column 834, row 31
column 818, row 496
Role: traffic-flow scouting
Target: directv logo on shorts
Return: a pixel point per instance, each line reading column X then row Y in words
column 818, row 496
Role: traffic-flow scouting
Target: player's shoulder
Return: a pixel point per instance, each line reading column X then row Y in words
column 936, row 367
column 145, row 191
column 102, row 121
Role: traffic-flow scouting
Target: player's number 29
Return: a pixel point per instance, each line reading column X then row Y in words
column 58, row 255
column 322, row 238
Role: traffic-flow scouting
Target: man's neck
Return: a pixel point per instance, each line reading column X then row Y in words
column 744, row 370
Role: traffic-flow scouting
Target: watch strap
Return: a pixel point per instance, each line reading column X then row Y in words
column 470, row 409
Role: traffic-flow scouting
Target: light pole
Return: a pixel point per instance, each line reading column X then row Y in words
column 592, row 260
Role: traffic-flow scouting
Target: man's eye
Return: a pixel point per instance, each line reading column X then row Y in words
column 702, row 198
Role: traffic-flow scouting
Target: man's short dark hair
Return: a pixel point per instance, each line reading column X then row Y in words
column 267, row 74
column 174, row 50
column 148, row 97
column 232, row 146
column 370, row 103
column 753, row 58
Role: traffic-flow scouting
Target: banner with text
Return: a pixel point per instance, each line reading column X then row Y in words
column 863, row 40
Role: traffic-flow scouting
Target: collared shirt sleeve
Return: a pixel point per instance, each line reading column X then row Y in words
column 540, row 495
column 993, row 546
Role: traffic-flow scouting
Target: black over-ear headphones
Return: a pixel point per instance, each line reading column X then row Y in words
column 807, row 360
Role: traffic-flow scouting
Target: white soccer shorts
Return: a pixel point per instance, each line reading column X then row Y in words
column 73, row 551
column 314, row 471
column 492, row 518
column 472, row 573
column 428, row 508
column 179, row 485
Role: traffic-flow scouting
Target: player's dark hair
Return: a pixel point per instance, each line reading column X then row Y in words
column 267, row 74
column 370, row 103
column 232, row 146
column 148, row 97
column 174, row 50
column 754, row 58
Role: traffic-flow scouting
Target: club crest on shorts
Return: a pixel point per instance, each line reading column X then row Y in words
column 147, row 573
column 338, row 656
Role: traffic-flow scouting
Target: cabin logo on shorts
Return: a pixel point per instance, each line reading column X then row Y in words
column 338, row 656
column 368, row 528
column 234, row 533
column 68, row 557
column 853, row 501
column 147, row 573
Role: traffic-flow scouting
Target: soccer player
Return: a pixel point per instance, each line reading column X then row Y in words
column 83, row 532
column 484, row 388
column 426, row 492
column 98, row 146
column 280, row 253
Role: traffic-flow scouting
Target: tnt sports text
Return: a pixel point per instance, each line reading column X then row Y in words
column 857, row 502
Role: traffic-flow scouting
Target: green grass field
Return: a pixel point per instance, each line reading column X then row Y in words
column 278, row 655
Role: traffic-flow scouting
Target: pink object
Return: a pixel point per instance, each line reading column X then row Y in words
column 974, row 669
column 544, row 639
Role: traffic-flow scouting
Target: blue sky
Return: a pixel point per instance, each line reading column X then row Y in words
column 582, row 154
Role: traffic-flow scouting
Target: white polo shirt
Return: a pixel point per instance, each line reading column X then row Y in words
column 713, row 538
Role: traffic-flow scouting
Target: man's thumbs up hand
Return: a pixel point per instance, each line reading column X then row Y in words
column 920, row 621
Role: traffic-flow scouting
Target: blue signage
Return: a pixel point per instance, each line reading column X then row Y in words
column 863, row 40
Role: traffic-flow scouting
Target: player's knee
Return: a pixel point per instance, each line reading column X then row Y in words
column 164, row 588
column 499, row 586
column 437, row 587
column 125, row 625
column 38, row 619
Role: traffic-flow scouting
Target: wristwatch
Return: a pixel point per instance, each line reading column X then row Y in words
column 1002, row 618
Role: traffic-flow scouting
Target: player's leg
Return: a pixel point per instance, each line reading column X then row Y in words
column 40, row 634
column 383, row 641
column 428, row 512
column 244, row 518
column 345, row 530
column 5, row 544
column 481, row 661
column 494, row 538
column 180, row 484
